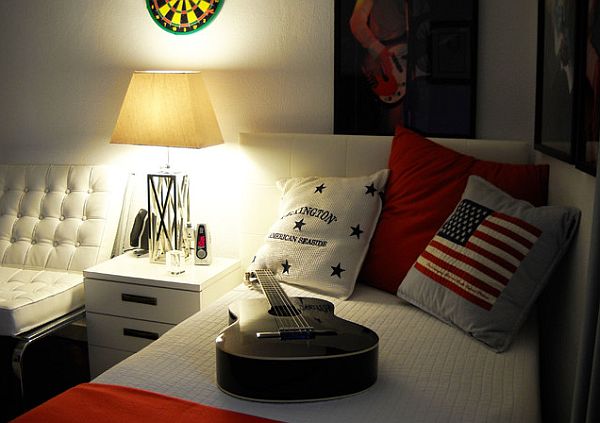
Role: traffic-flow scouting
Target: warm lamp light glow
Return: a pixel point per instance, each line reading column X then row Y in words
column 167, row 109
column 170, row 109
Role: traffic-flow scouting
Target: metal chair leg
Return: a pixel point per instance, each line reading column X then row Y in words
column 23, row 341
column 17, row 367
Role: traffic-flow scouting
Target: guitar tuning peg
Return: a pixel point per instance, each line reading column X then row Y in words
column 250, row 279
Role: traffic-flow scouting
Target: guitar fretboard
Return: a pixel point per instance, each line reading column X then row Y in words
column 272, row 289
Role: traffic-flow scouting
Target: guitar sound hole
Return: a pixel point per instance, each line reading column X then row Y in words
column 285, row 311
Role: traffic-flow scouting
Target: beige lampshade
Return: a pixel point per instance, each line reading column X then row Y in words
column 167, row 109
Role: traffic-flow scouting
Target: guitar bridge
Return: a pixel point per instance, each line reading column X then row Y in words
column 288, row 333
column 295, row 333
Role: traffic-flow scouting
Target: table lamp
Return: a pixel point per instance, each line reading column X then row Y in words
column 170, row 109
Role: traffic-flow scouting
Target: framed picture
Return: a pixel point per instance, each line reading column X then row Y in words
column 568, row 82
column 405, row 63
column 586, row 152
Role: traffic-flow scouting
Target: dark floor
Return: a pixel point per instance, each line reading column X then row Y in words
column 51, row 366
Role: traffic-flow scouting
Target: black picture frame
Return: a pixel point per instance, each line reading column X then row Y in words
column 567, row 112
column 586, row 144
column 440, row 61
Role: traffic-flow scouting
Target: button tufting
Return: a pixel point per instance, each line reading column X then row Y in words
column 83, row 217
column 90, row 191
column 55, row 243
column 19, row 215
column 61, row 218
column 13, row 240
column 26, row 189
column 77, row 244
column 41, row 217
column 33, row 242
column 67, row 191
column 46, row 190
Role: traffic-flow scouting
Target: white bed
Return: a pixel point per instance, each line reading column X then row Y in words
column 428, row 371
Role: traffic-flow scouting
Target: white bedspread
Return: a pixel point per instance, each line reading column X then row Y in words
column 428, row 371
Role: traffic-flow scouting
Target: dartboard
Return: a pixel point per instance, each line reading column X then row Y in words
column 183, row 16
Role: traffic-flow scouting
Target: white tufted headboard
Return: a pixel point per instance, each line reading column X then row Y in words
column 269, row 157
column 58, row 217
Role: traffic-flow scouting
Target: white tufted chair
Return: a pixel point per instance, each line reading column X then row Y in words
column 55, row 221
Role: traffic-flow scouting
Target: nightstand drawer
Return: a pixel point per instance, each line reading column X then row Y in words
column 140, row 301
column 122, row 333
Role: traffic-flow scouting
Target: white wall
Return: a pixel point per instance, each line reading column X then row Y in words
column 506, row 69
column 268, row 65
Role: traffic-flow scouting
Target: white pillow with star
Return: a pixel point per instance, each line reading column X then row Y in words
column 321, row 238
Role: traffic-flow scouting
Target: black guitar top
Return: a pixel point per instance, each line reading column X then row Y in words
column 293, row 349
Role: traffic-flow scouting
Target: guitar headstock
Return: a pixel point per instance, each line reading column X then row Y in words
column 251, row 280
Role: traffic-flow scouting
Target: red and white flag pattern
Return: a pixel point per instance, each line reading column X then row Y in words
column 477, row 251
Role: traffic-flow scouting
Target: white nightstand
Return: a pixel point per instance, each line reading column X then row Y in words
column 131, row 302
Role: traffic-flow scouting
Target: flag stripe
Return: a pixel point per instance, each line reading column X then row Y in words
column 495, row 251
column 537, row 232
column 499, row 244
column 491, row 256
column 487, row 259
column 461, row 273
column 514, row 236
column 501, row 220
column 503, row 238
column 452, row 286
column 463, row 255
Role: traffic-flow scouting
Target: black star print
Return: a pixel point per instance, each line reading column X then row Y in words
column 320, row 189
column 371, row 189
column 356, row 231
column 337, row 270
column 299, row 224
column 286, row 267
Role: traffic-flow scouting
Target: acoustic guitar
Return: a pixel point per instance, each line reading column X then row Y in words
column 282, row 349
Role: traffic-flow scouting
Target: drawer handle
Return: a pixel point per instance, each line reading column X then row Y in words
column 130, row 298
column 136, row 333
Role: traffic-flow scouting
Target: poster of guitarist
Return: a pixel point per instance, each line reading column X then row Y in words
column 384, row 69
column 380, row 26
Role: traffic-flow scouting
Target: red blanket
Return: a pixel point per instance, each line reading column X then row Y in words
column 92, row 402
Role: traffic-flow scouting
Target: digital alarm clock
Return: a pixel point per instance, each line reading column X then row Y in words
column 202, row 249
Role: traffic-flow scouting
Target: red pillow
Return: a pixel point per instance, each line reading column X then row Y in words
column 425, row 183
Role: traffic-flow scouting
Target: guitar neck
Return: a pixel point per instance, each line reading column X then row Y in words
column 271, row 288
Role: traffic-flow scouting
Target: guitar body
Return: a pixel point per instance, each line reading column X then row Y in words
column 260, row 357
column 386, row 75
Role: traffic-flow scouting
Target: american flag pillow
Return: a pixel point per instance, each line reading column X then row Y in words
column 488, row 262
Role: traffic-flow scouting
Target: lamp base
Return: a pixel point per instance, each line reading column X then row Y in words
column 168, row 208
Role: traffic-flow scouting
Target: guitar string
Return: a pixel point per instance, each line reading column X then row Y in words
column 296, row 316
column 291, row 309
column 272, row 283
column 267, row 290
column 300, row 322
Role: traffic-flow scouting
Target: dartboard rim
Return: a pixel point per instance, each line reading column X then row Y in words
column 168, row 28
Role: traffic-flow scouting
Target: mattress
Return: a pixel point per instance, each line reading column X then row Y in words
column 428, row 371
